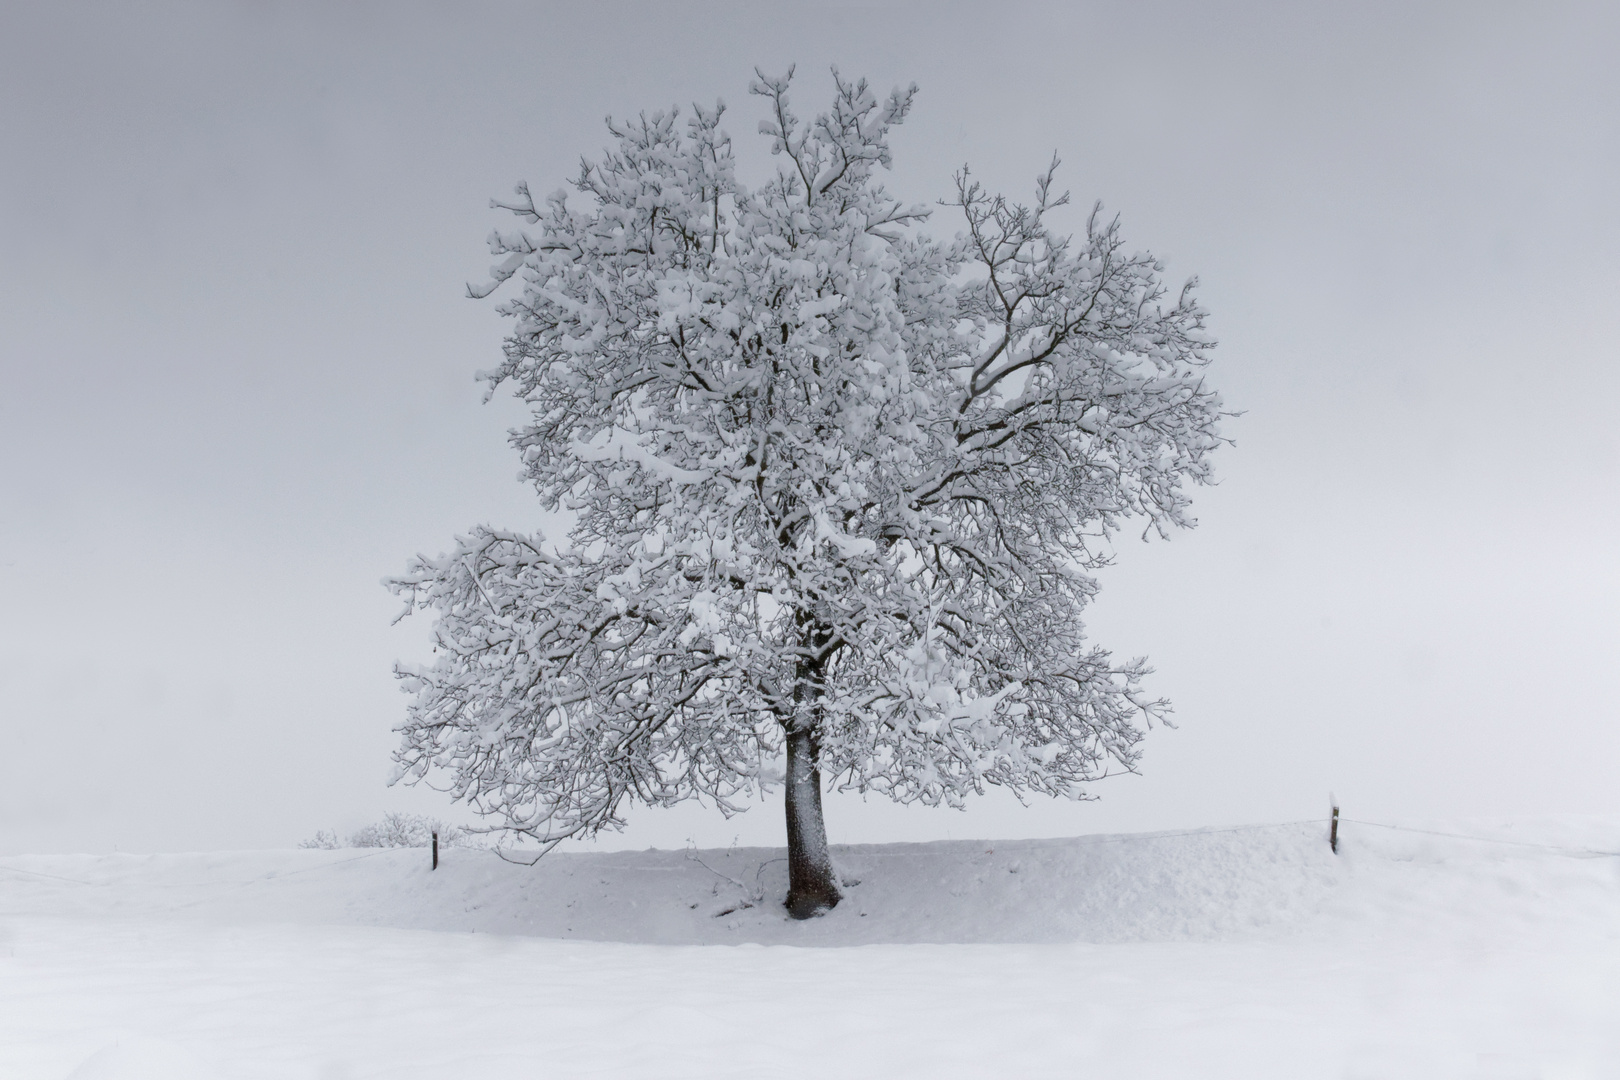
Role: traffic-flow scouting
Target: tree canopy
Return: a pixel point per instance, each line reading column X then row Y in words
column 836, row 487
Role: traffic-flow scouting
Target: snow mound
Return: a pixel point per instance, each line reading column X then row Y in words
column 1249, row 954
column 1209, row 885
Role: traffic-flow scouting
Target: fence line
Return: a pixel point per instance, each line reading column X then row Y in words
column 272, row 876
column 38, row 873
column 1562, row 848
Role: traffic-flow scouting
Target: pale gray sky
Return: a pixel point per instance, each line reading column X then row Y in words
column 236, row 381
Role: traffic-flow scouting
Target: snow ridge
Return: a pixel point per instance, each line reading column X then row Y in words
column 1206, row 885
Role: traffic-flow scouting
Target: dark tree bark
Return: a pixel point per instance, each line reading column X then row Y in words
column 812, row 886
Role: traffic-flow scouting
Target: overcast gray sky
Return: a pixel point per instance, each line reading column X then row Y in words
column 236, row 381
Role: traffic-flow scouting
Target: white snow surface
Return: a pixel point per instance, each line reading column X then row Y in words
column 1220, row 953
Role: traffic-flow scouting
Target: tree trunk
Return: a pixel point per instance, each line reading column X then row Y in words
column 812, row 886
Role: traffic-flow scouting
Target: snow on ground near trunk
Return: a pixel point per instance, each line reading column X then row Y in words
column 1242, row 953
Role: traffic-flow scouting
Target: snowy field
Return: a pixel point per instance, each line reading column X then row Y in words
column 1241, row 953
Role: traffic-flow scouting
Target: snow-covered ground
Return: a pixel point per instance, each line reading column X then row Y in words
column 1240, row 953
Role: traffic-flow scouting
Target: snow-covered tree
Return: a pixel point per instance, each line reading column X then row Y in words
column 837, row 490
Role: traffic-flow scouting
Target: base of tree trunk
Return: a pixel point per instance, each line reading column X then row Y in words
column 804, row 905
column 812, row 885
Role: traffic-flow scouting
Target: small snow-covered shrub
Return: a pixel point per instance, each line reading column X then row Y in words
column 398, row 830
column 411, row 830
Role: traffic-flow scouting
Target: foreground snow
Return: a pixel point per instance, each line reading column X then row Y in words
column 1240, row 953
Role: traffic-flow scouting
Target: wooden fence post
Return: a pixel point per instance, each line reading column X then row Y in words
column 436, row 846
column 1333, row 831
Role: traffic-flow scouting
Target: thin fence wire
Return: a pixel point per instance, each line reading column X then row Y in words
column 1564, row 849
column 38, row 873
column 273, row 876
column 1111, row 839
